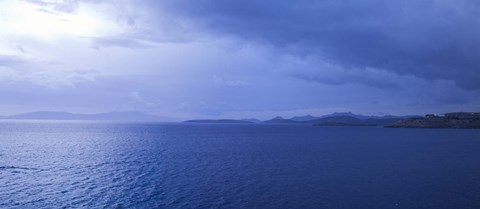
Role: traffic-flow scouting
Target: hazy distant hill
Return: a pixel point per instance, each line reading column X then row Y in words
column 45, row 115
column 280, row 120
column 346, row 114
column 114, row 116
column 217, row 121
column 253, row 120
column 339, row 119
column 304, row 118
column 350, row 114
column 352, row 121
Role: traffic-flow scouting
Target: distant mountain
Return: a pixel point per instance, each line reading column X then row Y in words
column 448, row 120
column 338, row 119
column 304, row 118
column 44, row 115
column 352, row 121
column 253, row 120
column 350, row 114
column 129, row 116
column 114, row 116
column 280, row 120
column 218, row 121
column 347, row 114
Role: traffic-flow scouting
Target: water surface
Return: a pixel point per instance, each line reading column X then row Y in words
column 148, row 165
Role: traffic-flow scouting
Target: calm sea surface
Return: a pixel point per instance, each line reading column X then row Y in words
column 147, row 165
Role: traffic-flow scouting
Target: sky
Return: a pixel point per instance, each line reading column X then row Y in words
column 240, row 59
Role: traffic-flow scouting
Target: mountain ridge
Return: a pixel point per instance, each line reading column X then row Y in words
column 113, row 116
column 337, row 118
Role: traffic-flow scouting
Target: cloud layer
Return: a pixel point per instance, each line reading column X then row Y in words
column 204, row 58
column 430, row 39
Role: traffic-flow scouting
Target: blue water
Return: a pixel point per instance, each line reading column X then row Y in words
column 102, row 165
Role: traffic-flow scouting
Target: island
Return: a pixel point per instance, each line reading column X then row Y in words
column 466, row 120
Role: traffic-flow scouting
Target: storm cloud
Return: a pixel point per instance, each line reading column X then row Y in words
column 240, row 59
column 430, row 39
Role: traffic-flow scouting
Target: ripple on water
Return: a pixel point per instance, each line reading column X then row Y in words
column 82, row 165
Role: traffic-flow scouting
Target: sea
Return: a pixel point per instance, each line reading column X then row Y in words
column 81, row 164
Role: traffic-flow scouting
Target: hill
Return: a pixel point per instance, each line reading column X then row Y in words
column 279, row 119
column 113, row 116
column 351, row 121
column 219, row 121
column 338, row 119
column 449, row 120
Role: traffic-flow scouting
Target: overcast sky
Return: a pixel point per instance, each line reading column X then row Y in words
column 240, row 59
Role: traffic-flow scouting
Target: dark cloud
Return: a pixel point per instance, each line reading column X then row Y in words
column 430, row 39
column 368, row 79
column 21, row 49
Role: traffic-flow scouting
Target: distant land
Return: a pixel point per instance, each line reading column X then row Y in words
column 448, row 120
column 349, row 114
column 334, row 119
column 339, row 120
column 342, row 118
column 109, row 116
column 218, row 121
